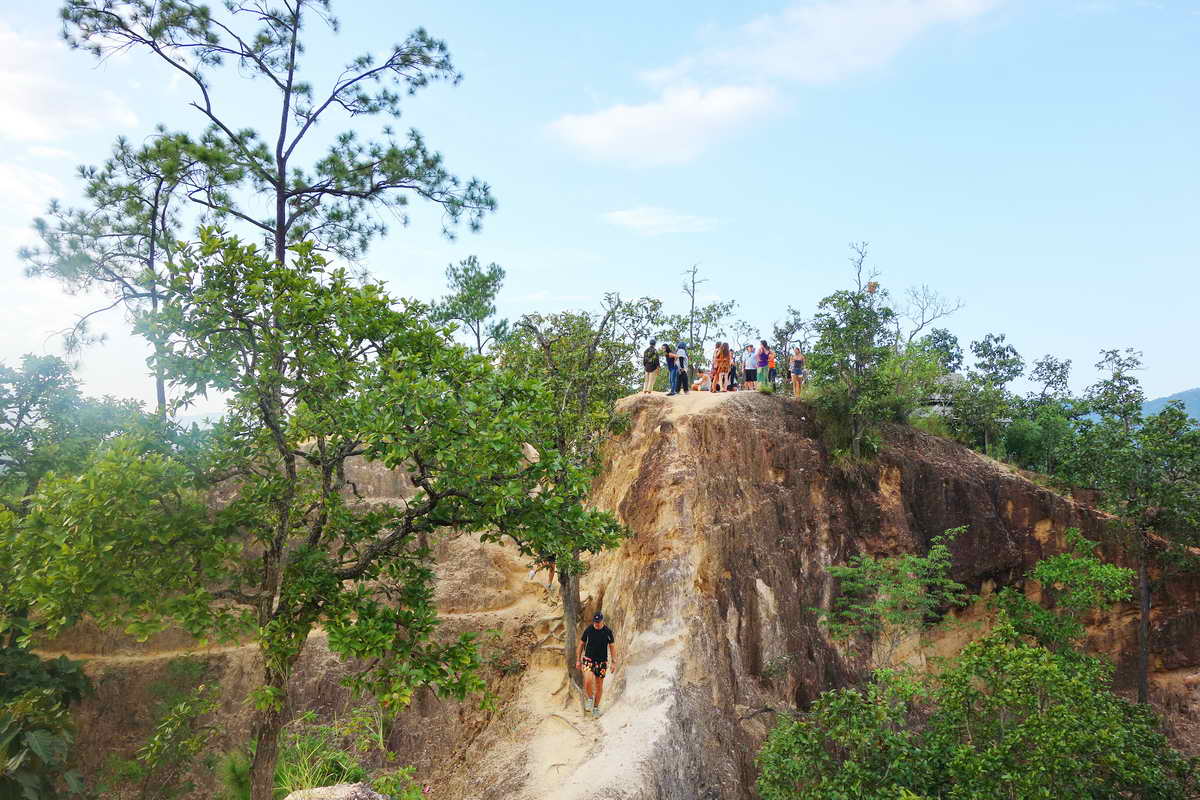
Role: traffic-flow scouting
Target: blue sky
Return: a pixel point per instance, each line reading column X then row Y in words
column 1038, row 160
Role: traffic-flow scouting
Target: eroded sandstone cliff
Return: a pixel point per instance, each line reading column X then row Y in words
column 736, row 513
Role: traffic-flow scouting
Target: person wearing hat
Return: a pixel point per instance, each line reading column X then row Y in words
column 598, row 639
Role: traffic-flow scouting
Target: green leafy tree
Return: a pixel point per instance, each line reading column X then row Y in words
column 1052, row 376
column 1148, row 472
column 119, row 240
column 46, row 425
column 329, row 200
column 1044, row 440
column 47, row 428
column 889, row 599
column 999, row 363
column 472, row 301
column 851, row 743
column 1074, row 583
column 35, row 743
column 945, row 343
column 864, row 373
column 319, row 370
column 587, row 361
column 982, row 409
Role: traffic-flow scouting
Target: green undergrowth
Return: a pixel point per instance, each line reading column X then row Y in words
column 350, row 749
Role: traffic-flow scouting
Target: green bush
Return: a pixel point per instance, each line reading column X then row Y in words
column 850, row 744
column 35, row 726
column 313, row 754
column 1021, row 713
column 309, row 756
column 1006, row 719
column 35, row 742
column 233, row 773
column 162, row 768
column 934, row 424
column 397, row 785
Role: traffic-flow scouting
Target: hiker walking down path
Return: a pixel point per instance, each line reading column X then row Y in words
column 650, row 364
column 593, row 659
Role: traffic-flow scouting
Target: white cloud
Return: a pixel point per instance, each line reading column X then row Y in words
column 733, row 79
column 820, row 41
column 40, row 105
column 651, row 221
column 673, row 129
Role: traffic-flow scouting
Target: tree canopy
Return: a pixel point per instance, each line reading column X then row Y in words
column 319, row 371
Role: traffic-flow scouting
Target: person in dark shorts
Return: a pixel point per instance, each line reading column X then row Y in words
column 593, row 658
column 750, row 367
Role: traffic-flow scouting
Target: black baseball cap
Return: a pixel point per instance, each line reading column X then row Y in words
column 597, row 617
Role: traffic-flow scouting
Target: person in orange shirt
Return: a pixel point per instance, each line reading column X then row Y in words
column 771, row 367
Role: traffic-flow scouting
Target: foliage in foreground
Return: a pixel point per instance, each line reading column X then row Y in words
column 1006, row 719
column 1020, row 713
column 320, row 370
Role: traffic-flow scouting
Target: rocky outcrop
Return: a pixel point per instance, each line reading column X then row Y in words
column 736, row 511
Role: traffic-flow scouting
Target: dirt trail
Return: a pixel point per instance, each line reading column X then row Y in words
column 565, row 755
column 141, row 658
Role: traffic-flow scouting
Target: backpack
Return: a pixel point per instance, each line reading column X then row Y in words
column 650, row 359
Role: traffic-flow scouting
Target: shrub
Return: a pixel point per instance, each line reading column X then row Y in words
column 35, row 741
column 1021, row 713
column 162, row 768
column 397, row 785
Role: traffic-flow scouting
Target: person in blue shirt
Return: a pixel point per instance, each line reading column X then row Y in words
column 682, row 379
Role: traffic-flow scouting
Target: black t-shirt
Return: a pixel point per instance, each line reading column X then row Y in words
column 597, row 642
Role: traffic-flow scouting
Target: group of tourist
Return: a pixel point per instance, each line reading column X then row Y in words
column 731, row 370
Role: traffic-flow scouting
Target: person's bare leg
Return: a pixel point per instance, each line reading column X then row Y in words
column 588, row 683
column 599, row 691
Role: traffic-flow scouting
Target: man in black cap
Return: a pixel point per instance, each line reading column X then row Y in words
column 598, row 639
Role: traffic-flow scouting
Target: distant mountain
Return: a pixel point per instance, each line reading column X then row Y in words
column 1190, row 399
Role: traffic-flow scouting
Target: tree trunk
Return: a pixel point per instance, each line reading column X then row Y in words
column 569, row 586
column 1143, row 662
column 160, row 381
column 265, row 734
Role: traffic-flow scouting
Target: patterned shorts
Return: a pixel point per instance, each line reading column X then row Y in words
column 598, row 668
